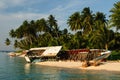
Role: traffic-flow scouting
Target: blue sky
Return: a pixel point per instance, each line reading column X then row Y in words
column 14, row 12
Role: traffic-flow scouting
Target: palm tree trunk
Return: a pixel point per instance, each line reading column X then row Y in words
column 106, row 46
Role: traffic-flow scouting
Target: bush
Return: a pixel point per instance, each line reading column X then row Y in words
column 115, row 55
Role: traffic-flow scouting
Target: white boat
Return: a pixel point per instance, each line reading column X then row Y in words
column 51, row 53
column 42, row 53
column 103, row 55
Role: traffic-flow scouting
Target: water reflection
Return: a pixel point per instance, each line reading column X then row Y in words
column 17, row 69
column 27, row 68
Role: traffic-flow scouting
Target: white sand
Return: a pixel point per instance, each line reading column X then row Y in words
column 109, row 66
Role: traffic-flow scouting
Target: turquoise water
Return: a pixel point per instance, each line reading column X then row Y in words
column 15, row 68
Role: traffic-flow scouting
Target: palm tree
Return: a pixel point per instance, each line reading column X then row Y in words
column 87, row 20
column 53, row 26
column 100, row 34
column 75, row 22
column 115, row 41
column 53, row 29
column 7, row 42
column 115, row 16
column 41, row 25
column 24, row 44
column 12, row 33
column 100, row 20
column 101, row 38
column 15, row 43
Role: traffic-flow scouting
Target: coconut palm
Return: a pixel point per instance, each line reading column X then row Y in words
column 100, row 33
column 101, row 38
column 41, row 25
column 15, row 44
column 53, row 29
column 7, row 41
column 12, row 33
column 115, row 41
column 24, row 44
column 115, row 16
column 75, row 22
column 87, row 20
column 53, row 26
column 100, row 20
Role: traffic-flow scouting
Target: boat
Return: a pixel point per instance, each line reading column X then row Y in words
column 54, row 53
column 42, row 53
column 103, row 55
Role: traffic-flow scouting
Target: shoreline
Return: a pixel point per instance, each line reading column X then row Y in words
column 108, row 66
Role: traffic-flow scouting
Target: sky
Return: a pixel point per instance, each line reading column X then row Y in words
column 14, row 12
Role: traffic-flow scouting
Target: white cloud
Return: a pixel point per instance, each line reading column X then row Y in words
column 71, row 5
column 8, row 3
column 15, row 19
column 63, row 11
column 2, row 5
column 15, row 3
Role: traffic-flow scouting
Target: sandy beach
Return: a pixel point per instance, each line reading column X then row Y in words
column 109, row 65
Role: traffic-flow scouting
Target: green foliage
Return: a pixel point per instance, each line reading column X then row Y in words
column 115, row 16
column 91, row 31
column 7, row 42
column 115, row 55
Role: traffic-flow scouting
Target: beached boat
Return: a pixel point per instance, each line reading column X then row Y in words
column 42, row 53
column 54, row 53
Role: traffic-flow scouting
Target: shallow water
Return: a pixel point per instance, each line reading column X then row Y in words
column 15, row 68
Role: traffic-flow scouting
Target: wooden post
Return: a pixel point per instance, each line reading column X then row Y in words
column 85, row 63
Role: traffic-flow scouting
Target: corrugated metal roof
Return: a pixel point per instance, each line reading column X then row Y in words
column 51, row 51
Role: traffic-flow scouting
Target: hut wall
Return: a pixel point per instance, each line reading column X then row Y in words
column 78, row 54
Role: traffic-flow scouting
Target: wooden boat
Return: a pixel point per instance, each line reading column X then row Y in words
column 42, row 54
column 55, row 53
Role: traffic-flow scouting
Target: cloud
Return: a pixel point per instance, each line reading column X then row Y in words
column 72, row 5
column 15, row 19
column 21, row 4
column 2, row 5
column 9, row 3
column 63, row 11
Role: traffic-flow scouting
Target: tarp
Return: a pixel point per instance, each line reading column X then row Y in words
column 51, row 51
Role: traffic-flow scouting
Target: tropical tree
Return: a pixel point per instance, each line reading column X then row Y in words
column 41, row 25
column 91, row 31
column 87, row 20
column 101, row 38
column 15, row 44
column 12, row 33
column 7, row 42
column 100, row 21
column 115, row 16
column 115, row 42
column 24, row 44
column 53, row 26
column 75, row 22
column 53, row 29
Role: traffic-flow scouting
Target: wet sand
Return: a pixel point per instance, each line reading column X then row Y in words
column 109, row 65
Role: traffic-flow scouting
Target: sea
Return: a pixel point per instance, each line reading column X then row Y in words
column 16, row 68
